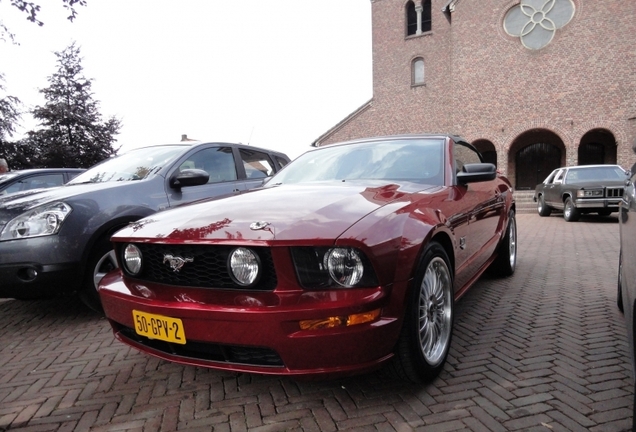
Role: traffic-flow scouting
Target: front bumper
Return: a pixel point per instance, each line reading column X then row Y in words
column 592, row 203
column 259, row 332
column 38, row 267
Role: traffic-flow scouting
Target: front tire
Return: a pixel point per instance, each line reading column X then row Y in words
column 542, row 208
column 428, row 323
column 101, row 261
column 570, row 212
column 506, row 261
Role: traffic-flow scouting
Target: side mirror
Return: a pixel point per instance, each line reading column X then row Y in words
column 477, row 172
column 189, row 177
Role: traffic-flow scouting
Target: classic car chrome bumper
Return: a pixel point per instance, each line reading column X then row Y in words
column 597, row 203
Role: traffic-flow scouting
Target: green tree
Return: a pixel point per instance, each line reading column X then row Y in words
column 20, row 154
column 71, row 133
column 31, row 10
column 9, row 116
column 9, row 112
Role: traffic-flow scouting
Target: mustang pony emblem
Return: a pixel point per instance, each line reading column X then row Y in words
column 176, row 262
column 259, row 225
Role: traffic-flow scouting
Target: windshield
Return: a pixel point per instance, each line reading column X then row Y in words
column 137, row 164
column 610, row 172
column 417, row 160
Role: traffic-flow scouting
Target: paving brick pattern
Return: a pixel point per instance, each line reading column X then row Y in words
column 544, row 350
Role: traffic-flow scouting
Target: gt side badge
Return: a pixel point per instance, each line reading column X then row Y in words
column 462, row 243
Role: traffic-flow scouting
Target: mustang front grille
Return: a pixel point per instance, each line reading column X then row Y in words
column 206, row 266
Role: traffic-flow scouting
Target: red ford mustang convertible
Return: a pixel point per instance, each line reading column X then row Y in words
column 348, row 259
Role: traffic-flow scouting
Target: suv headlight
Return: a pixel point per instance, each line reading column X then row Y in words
column 41, row 221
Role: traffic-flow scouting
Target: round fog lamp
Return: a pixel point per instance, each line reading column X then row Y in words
column 244, row 266
column 132, row 259
column 345, row 266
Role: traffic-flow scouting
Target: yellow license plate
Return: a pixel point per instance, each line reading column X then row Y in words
column 159, row 327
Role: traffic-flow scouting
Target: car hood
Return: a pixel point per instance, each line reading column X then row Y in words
column 16, row 203
column 281, row 213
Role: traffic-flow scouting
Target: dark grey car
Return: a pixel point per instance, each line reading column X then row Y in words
column 580, row 190
column 58, row 240
column 37, row 178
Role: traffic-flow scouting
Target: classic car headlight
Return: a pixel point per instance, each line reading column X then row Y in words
column 244, row 266
column 589, row 193
column 332, row 267
column 132, row 259
column 41, row 221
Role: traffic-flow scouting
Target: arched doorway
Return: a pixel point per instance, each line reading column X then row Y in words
column 534, row 163
column 598, row 146
column 591, row 153
column 536, row 153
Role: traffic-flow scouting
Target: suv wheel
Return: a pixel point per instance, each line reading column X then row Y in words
column 101, row 261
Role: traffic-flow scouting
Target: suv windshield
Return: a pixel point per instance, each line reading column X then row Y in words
column 135, row 165
column 412, row 160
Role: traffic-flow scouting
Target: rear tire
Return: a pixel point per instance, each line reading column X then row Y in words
column 101, row 261
column 619, row 285
column 542, row 208
column 427, row 330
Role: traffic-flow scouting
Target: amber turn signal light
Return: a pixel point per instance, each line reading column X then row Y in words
column 340, row 321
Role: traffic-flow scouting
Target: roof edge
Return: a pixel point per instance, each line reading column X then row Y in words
column 342, row 123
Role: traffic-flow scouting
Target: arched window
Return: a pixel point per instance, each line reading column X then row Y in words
column 417, row 71
column 411, row 18
column 418, row 17
column 426, row 16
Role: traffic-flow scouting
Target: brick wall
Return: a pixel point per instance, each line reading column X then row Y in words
column 483, row 84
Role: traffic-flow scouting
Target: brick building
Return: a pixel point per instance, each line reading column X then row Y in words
column 533, row 84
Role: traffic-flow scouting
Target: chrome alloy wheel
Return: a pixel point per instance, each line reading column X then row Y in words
column 512, row 243
column 435, row 311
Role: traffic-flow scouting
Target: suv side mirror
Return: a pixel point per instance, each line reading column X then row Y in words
column 189, row 177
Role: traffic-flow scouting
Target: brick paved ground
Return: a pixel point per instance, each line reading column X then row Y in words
column 543, row 350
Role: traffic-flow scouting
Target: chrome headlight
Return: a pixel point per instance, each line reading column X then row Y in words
column 333, row 267
column 589, row 193
column 41, row 221
column 132, row 259
column 344, row 265
column 244, row 266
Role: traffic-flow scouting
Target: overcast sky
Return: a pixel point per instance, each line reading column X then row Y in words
column 275, row 74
